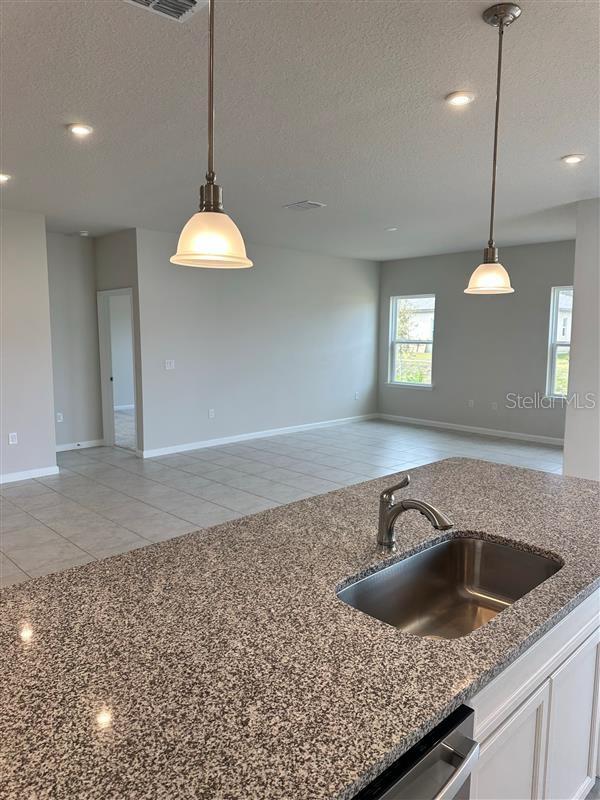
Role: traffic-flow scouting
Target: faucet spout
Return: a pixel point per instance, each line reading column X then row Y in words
column 390, row 510
column 437, row 518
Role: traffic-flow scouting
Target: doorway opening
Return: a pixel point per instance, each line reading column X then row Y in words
column 117, row 368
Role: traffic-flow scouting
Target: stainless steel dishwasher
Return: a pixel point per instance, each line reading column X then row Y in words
column 438, row 767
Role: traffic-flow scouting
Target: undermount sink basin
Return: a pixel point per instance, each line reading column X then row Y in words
column 450, row 589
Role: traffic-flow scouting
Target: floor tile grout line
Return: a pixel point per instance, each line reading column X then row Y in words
column 281, row 481
column 183, row 469
column 145, row 502
column 239, row 469
column 58, row 533
column 37, row 522
column 445, row 450
column 78, row 546
column 228, row 508
column 14, row 563
column 196, row 497
column 229, row 486
column 489, row 441
column 450, row 448
column 207, row 475
column 522, row 448
column 516, row 445
column 86, row 508
column 220, row 483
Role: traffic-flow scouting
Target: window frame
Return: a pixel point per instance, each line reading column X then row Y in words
column 393, row 341
column 554, row 342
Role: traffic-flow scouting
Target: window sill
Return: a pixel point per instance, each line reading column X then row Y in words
column 426, row 386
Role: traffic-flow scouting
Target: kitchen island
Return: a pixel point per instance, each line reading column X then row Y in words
column 222, row 664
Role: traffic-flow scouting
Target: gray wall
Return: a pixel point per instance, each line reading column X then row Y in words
column 26, row 357
column 74, row 325
column 582, row 435
column 121, row 350
column 292, row 340
column 484, row 347
column 286, row 343
column 117, row 268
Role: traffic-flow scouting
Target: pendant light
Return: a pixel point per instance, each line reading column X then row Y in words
column 490, row 277
column 211, row 239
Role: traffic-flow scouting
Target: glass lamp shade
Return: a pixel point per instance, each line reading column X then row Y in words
column 489, row 279
column 211, row 239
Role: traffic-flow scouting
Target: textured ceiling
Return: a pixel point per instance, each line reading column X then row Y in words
column 339, row 101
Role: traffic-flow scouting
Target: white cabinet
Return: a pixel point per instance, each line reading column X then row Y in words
column 511, row 761
column 572, row 735
column 537, row 722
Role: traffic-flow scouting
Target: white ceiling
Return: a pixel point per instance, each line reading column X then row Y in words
column 340, row 101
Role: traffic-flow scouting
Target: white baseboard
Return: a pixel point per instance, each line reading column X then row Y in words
column 428, row 423
column 124, row 408
column 243, row 437
column 79, row 445
column 42, row 472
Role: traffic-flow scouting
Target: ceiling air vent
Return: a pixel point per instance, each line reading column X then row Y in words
column 179, row 10
column 304, row 205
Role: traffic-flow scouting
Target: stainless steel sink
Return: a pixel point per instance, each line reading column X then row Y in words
column 450, row 589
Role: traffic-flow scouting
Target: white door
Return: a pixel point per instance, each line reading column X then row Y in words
column 511, row 760
column 573, row 729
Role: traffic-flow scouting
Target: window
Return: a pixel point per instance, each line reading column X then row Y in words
column 559, row 345
column 411, row 339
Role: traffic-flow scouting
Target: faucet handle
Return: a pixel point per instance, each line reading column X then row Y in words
column 387, row 496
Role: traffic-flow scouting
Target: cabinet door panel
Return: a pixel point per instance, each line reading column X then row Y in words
column 572, row 740
column 512, row 758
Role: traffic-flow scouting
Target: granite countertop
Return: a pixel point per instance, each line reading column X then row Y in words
column 222, row 664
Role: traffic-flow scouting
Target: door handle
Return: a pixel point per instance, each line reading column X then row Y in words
column 453, row 784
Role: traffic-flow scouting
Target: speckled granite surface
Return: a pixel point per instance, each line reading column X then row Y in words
column 226, row 666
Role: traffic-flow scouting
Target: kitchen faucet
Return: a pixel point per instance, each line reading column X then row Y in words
column 390, row 510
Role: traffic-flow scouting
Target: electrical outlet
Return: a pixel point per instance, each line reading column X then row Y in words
column 494, row 406
column 59, row 416
column 471, row 403
column 356, row 395
column 13, row 438
column 211, row 413
column 169, row 363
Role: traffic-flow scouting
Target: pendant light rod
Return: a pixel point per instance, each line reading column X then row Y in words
column 210, row 239
column 491, row 242
column 211, row 195
column 491, row 277
column 499, row 16
column 210, row 175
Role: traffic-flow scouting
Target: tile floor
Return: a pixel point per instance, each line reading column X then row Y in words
column 106, row 501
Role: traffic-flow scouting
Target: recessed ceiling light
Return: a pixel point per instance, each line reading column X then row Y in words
column 391, row 230
column 80, row 130
column 573, row 158
column 84, row 233
column 4, row 178
column 460, row 98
